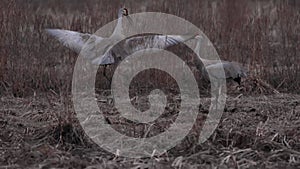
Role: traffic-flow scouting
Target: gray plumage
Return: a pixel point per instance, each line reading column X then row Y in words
column 88, row 44
column 106, row 51
column 232, row 70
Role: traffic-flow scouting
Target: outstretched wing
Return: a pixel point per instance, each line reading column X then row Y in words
column 82, row 42
column 87, row 43
column 164, row 41
column 71, row 39
column 141, row 42
column 137, row 43
column 157, row 41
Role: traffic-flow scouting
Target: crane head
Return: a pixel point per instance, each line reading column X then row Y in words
column 124, row 11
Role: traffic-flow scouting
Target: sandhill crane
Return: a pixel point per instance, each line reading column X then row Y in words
column 232, row 70
column 108, row 53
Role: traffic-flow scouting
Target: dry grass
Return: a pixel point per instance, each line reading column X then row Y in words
column 37, row 119
column 256, row 34
column 255, row 132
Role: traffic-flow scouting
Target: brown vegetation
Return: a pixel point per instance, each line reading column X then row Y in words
column 38, row 125
column 263, row 35
column 255, row 132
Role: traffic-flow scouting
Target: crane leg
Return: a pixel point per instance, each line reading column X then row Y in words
column 105, row 75
column 217, row 94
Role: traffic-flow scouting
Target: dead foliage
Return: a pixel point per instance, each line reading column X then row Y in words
column 261, row 132
column 256, row 34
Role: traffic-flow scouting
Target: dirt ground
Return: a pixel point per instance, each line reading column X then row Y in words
column 254, row 132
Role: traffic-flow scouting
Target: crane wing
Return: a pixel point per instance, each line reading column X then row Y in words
column 137, row 43
column 70, row 39
column 87, row 43
column 77, row 41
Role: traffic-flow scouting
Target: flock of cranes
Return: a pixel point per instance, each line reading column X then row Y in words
column 102, row 51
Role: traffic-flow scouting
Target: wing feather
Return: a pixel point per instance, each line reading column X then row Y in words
column 71, row 39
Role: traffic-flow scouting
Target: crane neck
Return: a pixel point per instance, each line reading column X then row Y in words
column 118, row 28
column 197, row 49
